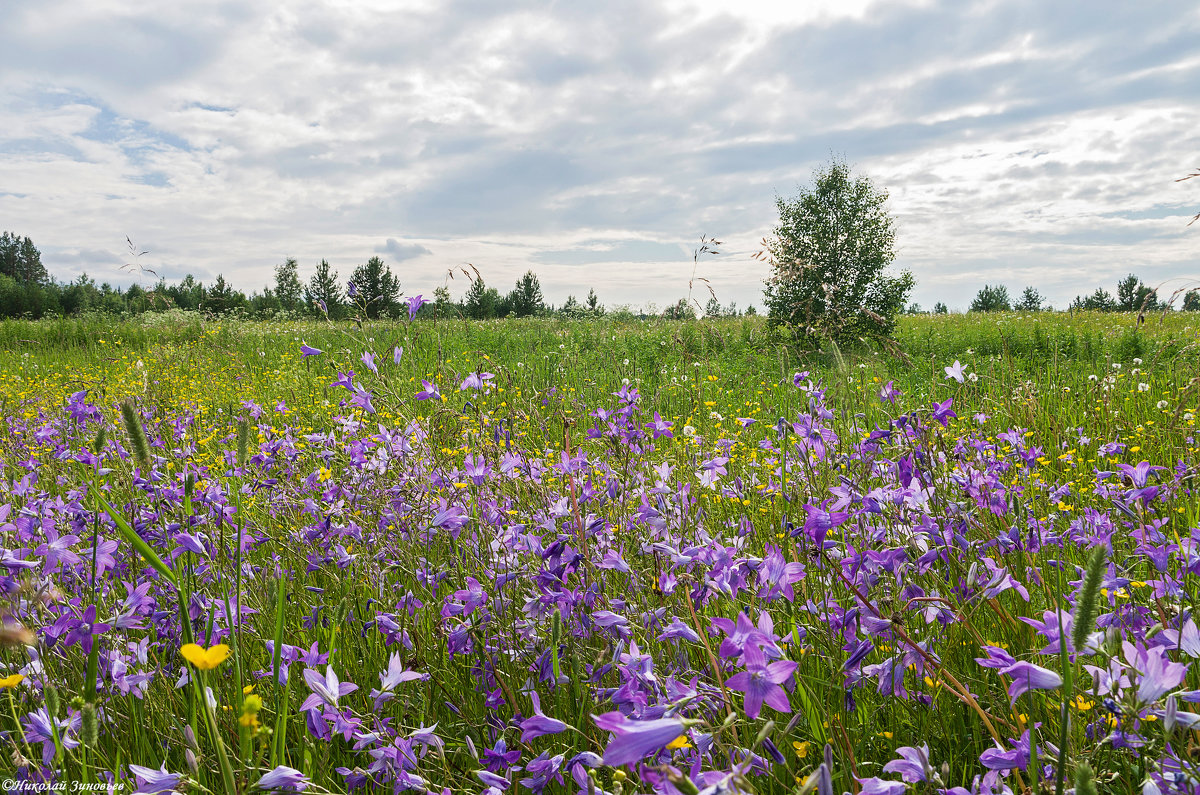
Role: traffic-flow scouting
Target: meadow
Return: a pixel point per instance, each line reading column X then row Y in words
column 599, row 556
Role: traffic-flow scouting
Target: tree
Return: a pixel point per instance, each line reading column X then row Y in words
column 376, row 287
column 829, row 255
column 680, row 310
column 1191, row 301
column 1099, row 301
column 713, row 308
column 288, row 289
column 1133, row 296
column 1031, row 301
column 218, row 299
column 572, row 308
column 526, row 297
column 940, row 309
column 21, row 260
column 593, row 304
column 481, row 302
column 324, row 292
column 991, row 299
column 442, row 305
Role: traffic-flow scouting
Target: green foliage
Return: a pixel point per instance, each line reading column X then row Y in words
column 324, row 290
column 378, row 290
column 991, row 299
column 1099, row 301
column 481, row 302
column 940, row 309
column 21, row 261
column 1031, row 301
column 288, row 289
column 1133, row 296
column 680, row 310
column 220, row 298
column 1191, row 301
column 828, row 258
column 526, row 298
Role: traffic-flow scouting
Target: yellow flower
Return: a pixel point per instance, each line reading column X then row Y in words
column 11, row 681
column 202, row 658
column 679, row 742
column 801, row 749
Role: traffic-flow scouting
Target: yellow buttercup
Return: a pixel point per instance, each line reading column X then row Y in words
column 202, row 658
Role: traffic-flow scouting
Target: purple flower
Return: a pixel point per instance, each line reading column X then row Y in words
column 368, row 359
column 154, row 782
column 660, row 427
column 345, row 379
column 1159, row 675
column 309, row 351
column 499, row 758
column 539, row 725
column 351, row 289
column 634, row 740
column 58, row 549
column 362, row 399
column 38, row 729
column 820, row 521
column 429, row 392
column 326, row 689
column 1000, row 759
column 397, row 352
column 1026, row 676
column 942, row 412
column 414, row 305
column 475, row 381
column 879, row 786
column 396, row 674
column 284, row 777
column 82, row 630
column 1138, row 476
column 913, row 764
column 761, row 682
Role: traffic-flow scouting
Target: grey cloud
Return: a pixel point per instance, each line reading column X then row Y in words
column 401, row 251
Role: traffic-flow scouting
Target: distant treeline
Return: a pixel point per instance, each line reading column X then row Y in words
column 26, row 290
column 1132, row 296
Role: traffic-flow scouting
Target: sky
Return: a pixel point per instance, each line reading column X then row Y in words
column 1021, row 142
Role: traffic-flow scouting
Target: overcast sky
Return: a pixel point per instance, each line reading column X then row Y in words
column 1022, row 142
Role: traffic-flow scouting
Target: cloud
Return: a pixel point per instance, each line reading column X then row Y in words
column 1016, row 138
column 591, row 252
column 401, row 251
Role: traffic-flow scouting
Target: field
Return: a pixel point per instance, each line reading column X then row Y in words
column 599, row 557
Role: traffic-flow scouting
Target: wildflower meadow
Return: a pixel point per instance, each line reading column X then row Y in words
column 599, row 557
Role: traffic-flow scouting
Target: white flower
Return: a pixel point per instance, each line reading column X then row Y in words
column 1137, row 360
column 626, row 362
column 1143, row 387
column 1091, row 378
column 972, row 377
column 1189, row 416
column 1162, row 404
column 1116, row 365
column 689, row 431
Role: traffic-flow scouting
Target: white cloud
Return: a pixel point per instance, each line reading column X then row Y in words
column 1021, row 141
